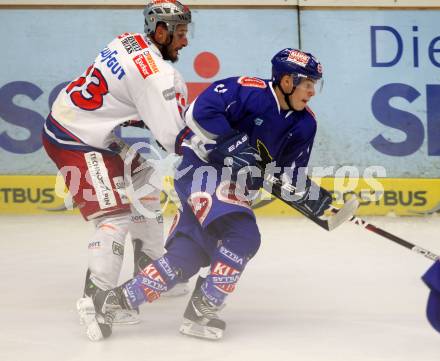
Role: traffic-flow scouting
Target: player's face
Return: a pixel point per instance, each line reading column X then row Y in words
column 302, row 94
column 179, row 41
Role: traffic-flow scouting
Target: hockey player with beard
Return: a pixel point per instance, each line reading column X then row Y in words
column 238, row 122
column 131, row 82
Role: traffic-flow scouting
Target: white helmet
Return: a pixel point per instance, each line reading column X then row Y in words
column 171, row 12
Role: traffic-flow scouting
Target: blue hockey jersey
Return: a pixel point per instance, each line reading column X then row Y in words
column 250, row 105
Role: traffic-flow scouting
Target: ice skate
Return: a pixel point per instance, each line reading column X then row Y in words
column 121, row 316
column 97, row 325
column 200, row 319
column 126, row 317
column 178, row 290
column 97, row 313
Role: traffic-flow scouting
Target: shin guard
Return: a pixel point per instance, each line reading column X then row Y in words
column 159, row 276
column 226, row 269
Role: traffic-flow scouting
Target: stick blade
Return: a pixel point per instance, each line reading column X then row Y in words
column 343, row 214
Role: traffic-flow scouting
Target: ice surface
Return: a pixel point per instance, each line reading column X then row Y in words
column 308, row 295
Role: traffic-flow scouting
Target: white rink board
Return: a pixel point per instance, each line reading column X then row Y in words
column 142, row 2
column 308, row 295
column 332, row 3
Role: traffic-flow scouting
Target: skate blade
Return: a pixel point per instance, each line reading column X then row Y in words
column 87, row 317
column 126, row 317
column 191, row 328
column 178, row 290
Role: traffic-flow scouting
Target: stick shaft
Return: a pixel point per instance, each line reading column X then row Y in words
column 381, row 232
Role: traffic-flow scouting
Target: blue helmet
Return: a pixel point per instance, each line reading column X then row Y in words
column 297, row 63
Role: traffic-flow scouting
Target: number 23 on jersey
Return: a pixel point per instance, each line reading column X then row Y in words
column 89, row 90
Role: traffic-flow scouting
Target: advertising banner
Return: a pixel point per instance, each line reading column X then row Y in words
column 404, row 197
column 51, row 47
column 380, row 105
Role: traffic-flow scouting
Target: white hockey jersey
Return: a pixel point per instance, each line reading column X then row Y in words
column 129, row 81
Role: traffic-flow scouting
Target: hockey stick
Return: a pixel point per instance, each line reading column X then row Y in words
column 372, row 228
column 278, row 189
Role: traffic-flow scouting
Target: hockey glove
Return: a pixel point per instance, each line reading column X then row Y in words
column 315, row 199
column 432, row 280
column 235, row 151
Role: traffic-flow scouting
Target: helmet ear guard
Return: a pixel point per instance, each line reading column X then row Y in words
column 170, row 12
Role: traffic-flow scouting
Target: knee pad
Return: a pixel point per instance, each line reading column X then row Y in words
column 146, row 225
column 186, row 255
column 238, row 232
column 106, row 250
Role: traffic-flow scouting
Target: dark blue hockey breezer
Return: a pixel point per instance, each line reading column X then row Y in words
column 236, row 124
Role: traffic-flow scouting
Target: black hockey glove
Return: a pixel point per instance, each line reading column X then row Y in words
column 134, row 123
column 315, row 199
column 235, row 151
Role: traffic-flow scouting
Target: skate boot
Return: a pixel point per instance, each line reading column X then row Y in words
column 98, row 312
column 200, row 318
column 121, row 317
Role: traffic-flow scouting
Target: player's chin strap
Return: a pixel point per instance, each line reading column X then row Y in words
column 287, row 95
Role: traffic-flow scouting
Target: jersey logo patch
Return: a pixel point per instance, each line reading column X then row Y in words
column 220, row 88
column 252, row 82
column 181, row 102
column 230, row 192
column 109, row 57
column 264, row 152
column 121, row 189
column 200, row 203
column 145, row 64
column 124, row 35
column 100, row 180
column 118, row 249
column 134, row 43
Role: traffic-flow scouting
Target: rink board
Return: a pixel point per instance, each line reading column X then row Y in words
column 38, row 194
